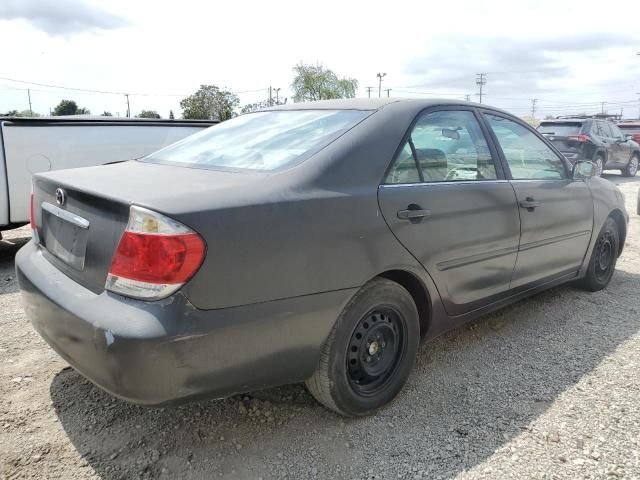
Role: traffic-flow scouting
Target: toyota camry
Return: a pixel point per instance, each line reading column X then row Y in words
column 313, row 242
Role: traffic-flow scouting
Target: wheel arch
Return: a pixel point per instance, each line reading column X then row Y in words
column 418, row 292
column 618, row 217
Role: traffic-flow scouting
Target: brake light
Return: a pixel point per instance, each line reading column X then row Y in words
column 32, row 213
column 155, row 256
column 579, row 138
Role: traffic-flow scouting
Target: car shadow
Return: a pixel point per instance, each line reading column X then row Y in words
column 472, row 390
column 9, row 246
column 619, row 179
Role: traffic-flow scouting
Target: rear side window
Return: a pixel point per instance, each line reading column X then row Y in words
column 261, row 141
column 603, row 130
column 560, row 129
column 527, row 155
column 444, row 146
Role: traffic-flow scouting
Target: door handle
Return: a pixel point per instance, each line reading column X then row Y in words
column 413, row 214
column 530, row 204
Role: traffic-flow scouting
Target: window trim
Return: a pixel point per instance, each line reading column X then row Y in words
column 497, row 163
column 503, row 158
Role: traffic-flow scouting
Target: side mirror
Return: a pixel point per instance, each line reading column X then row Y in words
column 583, row 169
column 628, row 137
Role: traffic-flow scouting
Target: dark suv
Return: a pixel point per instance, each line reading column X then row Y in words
column 593, row 139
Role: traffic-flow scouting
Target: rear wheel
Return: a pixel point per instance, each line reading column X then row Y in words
column 632, row 167
column 599, row 165
column 367, row 358
column 603, row 258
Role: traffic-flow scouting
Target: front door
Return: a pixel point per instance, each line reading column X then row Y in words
column 447, row 202
column 556, row 213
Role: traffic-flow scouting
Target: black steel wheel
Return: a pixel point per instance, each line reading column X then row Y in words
column 602, row 263
column 599, row 165
column 367, row 358
column 376, row 346
column 632, row 167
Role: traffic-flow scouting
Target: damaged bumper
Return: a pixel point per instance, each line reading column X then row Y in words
column 154, row 353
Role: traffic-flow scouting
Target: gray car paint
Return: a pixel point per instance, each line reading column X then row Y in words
column 291, row 235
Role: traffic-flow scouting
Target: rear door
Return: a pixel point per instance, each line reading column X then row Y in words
column 604, row 133
column 556, row 212
column 446, row 200
column 623, row 146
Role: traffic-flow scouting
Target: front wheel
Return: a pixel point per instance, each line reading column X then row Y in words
column 367, row 358
column 632, row 167
column 603, row 258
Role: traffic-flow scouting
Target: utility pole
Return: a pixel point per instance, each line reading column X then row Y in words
column 270, row 97
column 533, row 107
column 380, row 76
column 29, row 95
column 467, row 97
column 387, row 90
column 602, row 107
column 277, row 96
column 481, row 80
column 371, row 88
column 128, row 107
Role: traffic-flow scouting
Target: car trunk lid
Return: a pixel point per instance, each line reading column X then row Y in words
column 80, row 214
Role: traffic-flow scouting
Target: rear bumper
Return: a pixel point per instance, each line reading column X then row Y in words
column 154, row 353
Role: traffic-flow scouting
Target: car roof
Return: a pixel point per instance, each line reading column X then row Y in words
column 377, row 104
column 566, row 120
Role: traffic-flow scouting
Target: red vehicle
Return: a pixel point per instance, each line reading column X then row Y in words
column 631, row 128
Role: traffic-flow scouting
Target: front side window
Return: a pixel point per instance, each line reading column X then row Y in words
column 444, row 146
column 617, row 133
column 528, row 157
column 262, row 140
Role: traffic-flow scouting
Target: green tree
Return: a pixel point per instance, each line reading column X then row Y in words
column 23, row 113
column 254, row 107
column 171, row 115
column 69, row 107
column 106, row 114
column 148, row 114
column 210, row 103
column 315, row 82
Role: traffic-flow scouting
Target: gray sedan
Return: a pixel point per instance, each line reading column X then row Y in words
column 316, row 242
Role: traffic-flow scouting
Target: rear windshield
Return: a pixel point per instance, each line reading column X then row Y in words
column 260, row 141
column 560, row 129
column 630, row 128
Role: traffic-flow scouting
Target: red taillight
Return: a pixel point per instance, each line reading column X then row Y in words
column 155, row 256
column 32, row 213
column 161, row 259
column 579, row 138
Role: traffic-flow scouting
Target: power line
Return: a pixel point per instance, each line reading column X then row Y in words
column 109, row 92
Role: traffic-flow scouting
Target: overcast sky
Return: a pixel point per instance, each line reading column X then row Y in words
column 569, row 55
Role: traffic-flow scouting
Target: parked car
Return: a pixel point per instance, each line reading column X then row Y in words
column 631, row 128
column 599, row 141
column 311, row 242
column 33, row 145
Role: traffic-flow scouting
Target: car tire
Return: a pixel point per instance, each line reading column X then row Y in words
column 632, row 167
column 599, row 165
column 370, row 352
column 602, row 263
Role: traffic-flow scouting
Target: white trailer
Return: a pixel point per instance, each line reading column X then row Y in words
column 32, row 145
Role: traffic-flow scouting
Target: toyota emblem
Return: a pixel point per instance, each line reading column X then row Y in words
column 61, row 196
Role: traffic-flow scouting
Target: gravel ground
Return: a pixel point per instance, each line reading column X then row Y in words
column 546, row 388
